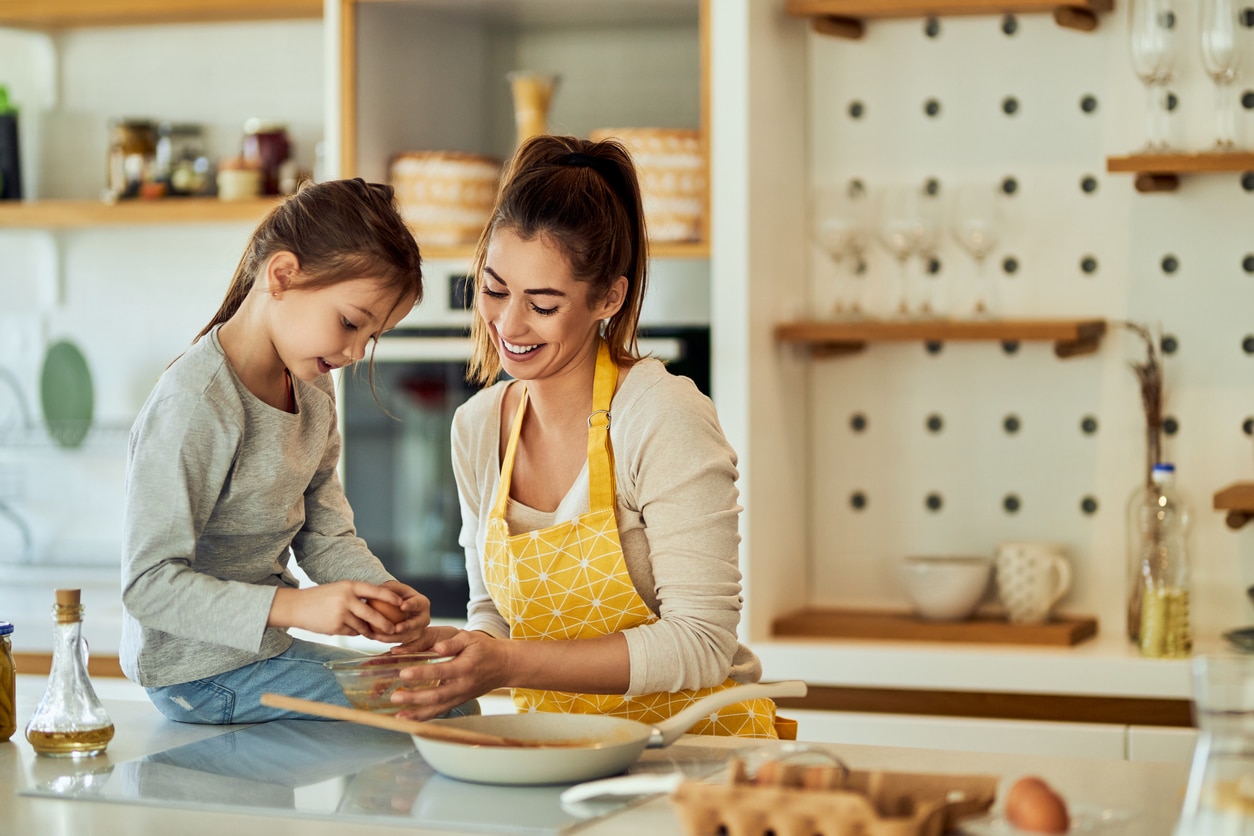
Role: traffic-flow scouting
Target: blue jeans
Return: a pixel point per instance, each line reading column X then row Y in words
column 235, row 696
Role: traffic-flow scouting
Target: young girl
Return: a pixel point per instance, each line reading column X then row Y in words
column 232, row 471
column 599, row 505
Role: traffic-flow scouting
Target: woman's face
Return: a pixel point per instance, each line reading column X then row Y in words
column 537, row 314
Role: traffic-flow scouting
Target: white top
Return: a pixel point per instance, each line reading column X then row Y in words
column 678, row 515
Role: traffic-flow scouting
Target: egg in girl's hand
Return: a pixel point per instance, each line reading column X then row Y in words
column 391, row 612
column 1032, row 805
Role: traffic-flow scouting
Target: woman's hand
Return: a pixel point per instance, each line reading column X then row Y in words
column 335, row 609
column 416, row 610
column 480, row 664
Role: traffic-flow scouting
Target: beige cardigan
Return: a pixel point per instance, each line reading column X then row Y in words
column 677, row 520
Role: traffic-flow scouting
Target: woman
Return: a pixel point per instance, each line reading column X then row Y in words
column 598, row 492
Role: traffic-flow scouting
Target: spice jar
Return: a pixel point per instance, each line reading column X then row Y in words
column 181, row 162
column 266, row 148
column 132, row 153
column 8, row 683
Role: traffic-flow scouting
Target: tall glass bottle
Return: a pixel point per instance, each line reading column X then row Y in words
column 1159, row 572
column 69, row 721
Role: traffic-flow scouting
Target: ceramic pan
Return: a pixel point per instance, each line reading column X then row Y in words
column 587, row 746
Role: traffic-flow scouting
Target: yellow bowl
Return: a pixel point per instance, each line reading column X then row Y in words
column 368, row 682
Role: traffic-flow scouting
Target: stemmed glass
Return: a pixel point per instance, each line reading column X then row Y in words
column 929, row 297
column 840, row 230
column 1152, row 31
column 1221, row 57
column 902, row 231
column 976, row 222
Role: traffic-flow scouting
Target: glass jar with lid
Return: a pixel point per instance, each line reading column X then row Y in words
column 181, row 162
column 266, row 148
column 132, row 154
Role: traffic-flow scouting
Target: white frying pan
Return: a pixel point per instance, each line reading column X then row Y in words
column 567, row 748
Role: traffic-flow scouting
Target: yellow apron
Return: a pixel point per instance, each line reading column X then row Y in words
column 570, row 581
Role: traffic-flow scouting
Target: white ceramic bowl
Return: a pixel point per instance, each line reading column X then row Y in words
column 945, row 588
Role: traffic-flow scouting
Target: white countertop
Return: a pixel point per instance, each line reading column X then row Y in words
column 1153, row 790
column 1105, row 666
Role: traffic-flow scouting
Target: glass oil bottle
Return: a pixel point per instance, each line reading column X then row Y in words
column 69, row 721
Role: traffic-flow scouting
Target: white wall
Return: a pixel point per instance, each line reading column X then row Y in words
column 131, row 297
column 1050, row 464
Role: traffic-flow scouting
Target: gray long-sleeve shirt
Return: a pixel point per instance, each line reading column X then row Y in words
column 219, row 486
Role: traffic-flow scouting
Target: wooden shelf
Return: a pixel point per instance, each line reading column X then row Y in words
column 1161, row 172
column 845, row 18
column 1238, row 501
column 73, row 214
column 62, row 14
column 1070, row 337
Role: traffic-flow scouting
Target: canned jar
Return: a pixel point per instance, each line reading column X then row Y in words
column 181, row 160
column 132, row 155
column 8, row 683
column 266, row 148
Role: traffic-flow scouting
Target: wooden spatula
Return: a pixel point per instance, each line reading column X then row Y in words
column 434, row 731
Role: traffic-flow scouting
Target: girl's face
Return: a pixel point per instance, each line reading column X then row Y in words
column 537, row 314
column 325, row 328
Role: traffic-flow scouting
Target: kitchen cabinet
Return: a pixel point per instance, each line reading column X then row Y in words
column 845, row 18
column 78, row 211
column 431, row 75
column 1162, row 172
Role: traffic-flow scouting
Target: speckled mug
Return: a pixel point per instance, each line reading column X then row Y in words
column 1031, row 579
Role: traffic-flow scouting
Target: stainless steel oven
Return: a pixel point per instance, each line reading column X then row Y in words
column 396, row 465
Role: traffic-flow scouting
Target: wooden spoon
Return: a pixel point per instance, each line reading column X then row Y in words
column 434, row 731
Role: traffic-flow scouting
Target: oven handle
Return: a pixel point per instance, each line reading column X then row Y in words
column 406, row 349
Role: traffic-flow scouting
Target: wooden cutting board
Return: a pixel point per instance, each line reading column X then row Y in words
column 903, row 626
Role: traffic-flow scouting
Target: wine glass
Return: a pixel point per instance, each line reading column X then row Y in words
column 902, row 231
column 1219, row 28
column 928, row 297
column 840, row 231
column 1152, row 31
column 976, row 222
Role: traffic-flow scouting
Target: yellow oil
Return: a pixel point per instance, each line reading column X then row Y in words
column 1165, row 631
column 70, row 743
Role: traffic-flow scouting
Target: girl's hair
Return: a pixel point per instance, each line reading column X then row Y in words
column 584, row 198
column 338, row 230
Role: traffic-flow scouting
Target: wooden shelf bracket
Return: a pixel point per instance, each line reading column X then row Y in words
column 1238, row 501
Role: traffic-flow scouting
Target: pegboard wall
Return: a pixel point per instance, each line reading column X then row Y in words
column 954, row 448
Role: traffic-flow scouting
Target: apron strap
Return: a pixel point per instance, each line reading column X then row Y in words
column 602, row 487
column 507, row 466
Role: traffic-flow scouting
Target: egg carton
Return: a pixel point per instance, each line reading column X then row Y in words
column 830, row 800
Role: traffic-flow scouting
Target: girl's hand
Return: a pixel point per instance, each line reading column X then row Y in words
column 416, row 610
column 480, row 664
column 334, row 609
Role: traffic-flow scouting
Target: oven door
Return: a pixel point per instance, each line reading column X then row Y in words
column 397, row 458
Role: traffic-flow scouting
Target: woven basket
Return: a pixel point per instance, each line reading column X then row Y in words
column 673, row 181
column 446, row 197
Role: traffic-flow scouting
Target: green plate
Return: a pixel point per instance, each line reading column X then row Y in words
column 66, row 393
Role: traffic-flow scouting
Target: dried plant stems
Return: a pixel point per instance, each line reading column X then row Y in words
column 1150, row 376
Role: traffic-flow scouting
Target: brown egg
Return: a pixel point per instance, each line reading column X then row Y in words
column 392, row 612
column 1032, row 805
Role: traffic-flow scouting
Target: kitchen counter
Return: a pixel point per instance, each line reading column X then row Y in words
column 1105, row 666
column 1153, row 790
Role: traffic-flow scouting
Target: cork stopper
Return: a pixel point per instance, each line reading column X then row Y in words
column 69, row 597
